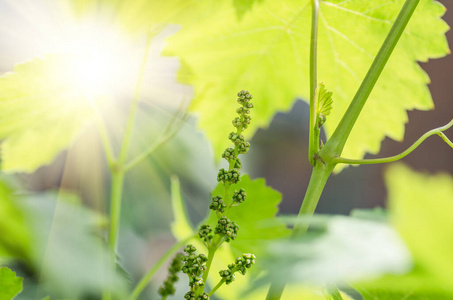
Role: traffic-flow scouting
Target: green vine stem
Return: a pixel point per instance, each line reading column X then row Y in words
column 211, row 253
column 115, row 208
column 148, row 276
column 438, row 131
column 335, row 144
column 313, row 144
column 118, row 171
column 318, row 180
column 117, row 167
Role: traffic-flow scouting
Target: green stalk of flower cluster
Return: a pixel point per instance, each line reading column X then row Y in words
column 197, row 266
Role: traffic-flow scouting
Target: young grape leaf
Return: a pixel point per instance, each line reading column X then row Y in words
column 43, row 107
column 10, row 285
column 323, row 100
column 267, row 53
column 420, row 207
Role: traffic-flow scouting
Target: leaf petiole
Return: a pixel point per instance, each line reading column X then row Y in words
column 438, row 131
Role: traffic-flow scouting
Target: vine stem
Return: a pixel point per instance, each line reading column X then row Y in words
column 117, row 170
column 318, row 180
column 326, row 156
column 438, row 131
column 335, row 144
column 115, row 208
column 117, row 167
column 313, row 143
column 148, row 276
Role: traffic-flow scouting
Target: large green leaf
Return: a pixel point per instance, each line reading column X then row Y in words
column 43, row 107
column 10, row 285
column 267, row 52
column 55, row 237
column 139, row 16
column 15, row 240
column 338, row 249
column 421, row 206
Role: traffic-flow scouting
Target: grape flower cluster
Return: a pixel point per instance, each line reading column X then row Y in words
column 196, row 266
column 168, row 287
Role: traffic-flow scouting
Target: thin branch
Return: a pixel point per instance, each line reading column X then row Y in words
column 221, row 282
column 438, row 131
column 162, row 140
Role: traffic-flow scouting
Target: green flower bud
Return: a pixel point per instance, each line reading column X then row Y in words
column 229, row 154
column 205, row 233
column 226, row 228
column 239, row 196
column 168, row 287
column 190, row 249
column 237, row 122
column 203, row 296
column 231, row 176
column 227, row 275
column 196, row 282
column 244, row 147
column 244, row 97
column 217, row 204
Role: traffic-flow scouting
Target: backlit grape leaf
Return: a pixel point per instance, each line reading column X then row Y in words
column 43, row 107
column 261, row 205
column 10, row 285
column 15, row 240
column 420, row 209
column 139, row 16
column 422, row 206
column 267, row 53
column 181, row 227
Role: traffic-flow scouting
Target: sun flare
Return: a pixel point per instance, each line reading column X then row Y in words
column 103, row 58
